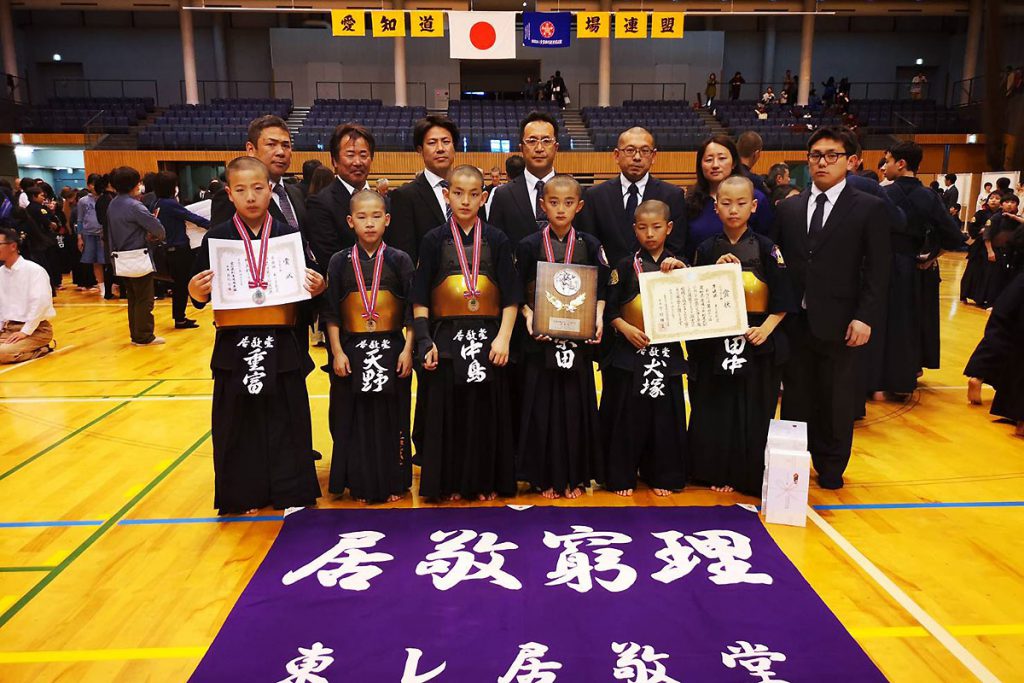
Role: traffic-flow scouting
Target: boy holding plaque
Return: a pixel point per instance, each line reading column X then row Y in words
column 262, row 432
column 366, row 309
column 465, row 297
column 559, row 436
column 734, row 381
column 643, row 406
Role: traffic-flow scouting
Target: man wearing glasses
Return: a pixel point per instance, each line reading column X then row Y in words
column 26, row 304
column 608, row 208
column 836, row 242
column 516, row 208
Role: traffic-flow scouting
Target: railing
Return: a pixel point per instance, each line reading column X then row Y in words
column 93, row 130
column 857, row 90
column 968, row 91
column 105, row 87
column 234, row 90
column 356, row 90
column 16, row 89
column 587, row 92
column 901, row 125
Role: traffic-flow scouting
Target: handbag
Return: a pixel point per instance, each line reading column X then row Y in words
column 132, row 263
column 567, row 100
column 159, row 252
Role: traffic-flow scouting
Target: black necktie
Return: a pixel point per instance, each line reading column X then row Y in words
column 632, row 200
column 447, row 207
column 818, row 217
column 286, row 206
column 542, row 215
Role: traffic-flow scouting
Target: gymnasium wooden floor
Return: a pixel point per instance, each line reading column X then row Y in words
column 114, row 568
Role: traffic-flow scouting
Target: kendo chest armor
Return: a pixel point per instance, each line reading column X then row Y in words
column 632, row 311
column 448, row 296
column 390, row 306
column 748, row 251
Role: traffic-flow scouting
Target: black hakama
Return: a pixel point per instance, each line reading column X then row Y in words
column 893, row 355
column 730, row 412
column 559, row 445
column 640, row 433
column 972, row 281
column 998, row 360
column 930, row 315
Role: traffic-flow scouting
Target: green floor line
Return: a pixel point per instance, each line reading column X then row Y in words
column 96, row 535
column 7, row 570
column 75, row 433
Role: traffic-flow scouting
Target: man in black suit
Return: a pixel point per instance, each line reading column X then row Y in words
column 419, row 206
column 352, row 149
column 516, row 207
column 836, row 242
column 270, row 142
column 608, row 208
column 951, row 196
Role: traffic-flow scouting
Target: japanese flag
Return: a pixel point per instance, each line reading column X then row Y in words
column 482, row 35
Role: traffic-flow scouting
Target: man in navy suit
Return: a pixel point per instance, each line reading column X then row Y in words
column 516, row 208
column 608, row 208
column 419, row 206
column 836, row 243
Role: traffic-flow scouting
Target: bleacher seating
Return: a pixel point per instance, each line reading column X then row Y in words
column 222, row 124
column 391, row 126
column 71, row 114
column 887, row 116
column 482, row 121
column 786, row 127
column 674, row 123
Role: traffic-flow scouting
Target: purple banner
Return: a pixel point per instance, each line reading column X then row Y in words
column 535, row 595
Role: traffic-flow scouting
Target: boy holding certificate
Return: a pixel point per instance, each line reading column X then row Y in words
column 465, row 297
column 734, row 381
column 559, row 437
column 262, row 434
column 366, row 309
column 643, row 407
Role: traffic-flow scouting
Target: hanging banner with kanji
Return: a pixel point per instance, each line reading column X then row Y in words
column 348, row 22
column 388, row 23
column 631, row 24
column 667, row 24
column 593, row 24
column 426, row 24
column 543, row 594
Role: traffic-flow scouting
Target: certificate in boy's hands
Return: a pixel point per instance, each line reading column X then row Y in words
column 694, row 303
column 286, row 273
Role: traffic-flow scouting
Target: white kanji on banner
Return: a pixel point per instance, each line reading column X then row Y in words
column 482, row 35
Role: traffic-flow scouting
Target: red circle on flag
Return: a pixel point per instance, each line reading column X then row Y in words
column 482, row 35
column 547, row 29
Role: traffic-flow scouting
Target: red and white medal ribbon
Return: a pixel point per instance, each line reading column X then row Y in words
column 637, row 265
column 257, row 271
column 468, row 277
column 570, row 245
column 369, row 301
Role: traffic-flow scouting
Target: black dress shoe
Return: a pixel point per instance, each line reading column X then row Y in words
column 185, row 324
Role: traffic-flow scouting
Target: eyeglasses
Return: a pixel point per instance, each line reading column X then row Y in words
column 645, row 152
column 539, row 142
column 829, row 157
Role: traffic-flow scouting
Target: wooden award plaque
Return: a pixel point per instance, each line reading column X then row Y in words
column 565, row 301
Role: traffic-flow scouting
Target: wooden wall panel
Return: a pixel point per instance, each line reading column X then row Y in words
column 43, row 139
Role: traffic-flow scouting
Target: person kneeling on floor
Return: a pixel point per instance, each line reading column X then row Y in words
column 26, row 304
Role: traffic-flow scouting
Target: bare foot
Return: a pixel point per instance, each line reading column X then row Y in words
column 361, row 500
column 573, row 493
column 393, row 497
column 878, row 396
column 624, row 492
column 550, row 494
column 453, row 497
column 662, row 492
column 487, row 496
column 974, row 391
column 723, row 489
column 253, row 511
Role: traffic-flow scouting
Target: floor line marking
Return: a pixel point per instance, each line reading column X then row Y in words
column 123, row 654
column 972, row 663
column 9, row 613
column 7, row 570
column 922, row 505
column 200, row 520
column 22, row 364
column 75, row 433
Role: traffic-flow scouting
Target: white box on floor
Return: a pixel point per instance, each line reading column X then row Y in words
column 791, row 436
column 786, row 478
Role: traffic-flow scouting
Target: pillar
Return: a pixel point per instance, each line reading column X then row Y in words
column 768, row 62
column 604, row 65
column 974, row 21
column 10, row 49
column 220, row 60
column 401, row 84
column 188, row 53
column 806, row 53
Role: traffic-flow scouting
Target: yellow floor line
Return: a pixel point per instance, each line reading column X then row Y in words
column 867, row 632
column 45, row 656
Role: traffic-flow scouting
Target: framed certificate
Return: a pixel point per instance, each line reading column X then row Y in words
column 565, row 301
column 694, row 303
column 285, row 275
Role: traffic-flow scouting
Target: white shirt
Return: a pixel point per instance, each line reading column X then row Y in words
column 23, row 200
column 831, row 195
column 25, row 294
column 351, row 189
column 640, row 185
column 435, row 185
column 531, row 186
